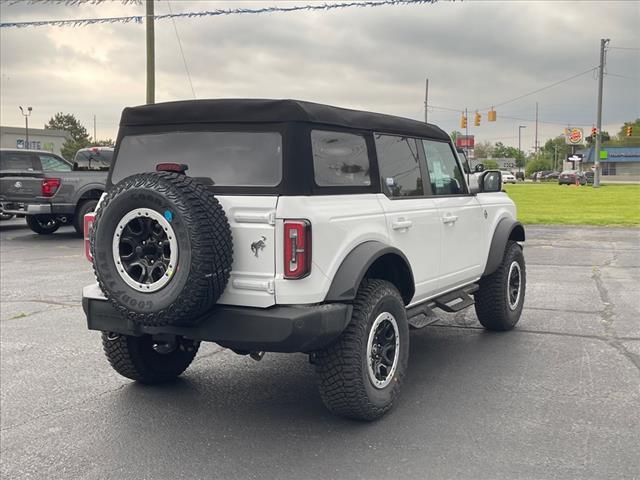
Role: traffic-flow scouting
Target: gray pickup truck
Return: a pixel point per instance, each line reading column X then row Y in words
column 50, row 191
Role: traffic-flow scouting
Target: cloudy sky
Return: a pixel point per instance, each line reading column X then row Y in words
column 475, row 53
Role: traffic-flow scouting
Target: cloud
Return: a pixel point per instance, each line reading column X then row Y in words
column 475, row 54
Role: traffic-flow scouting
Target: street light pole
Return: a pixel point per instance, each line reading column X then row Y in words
column 26, row 123
column 598, row 146
column 151, row 53
column 520, row 127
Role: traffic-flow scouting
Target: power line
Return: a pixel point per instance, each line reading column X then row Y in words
column 184, row 60
column 81, row 22
column 623, row 48
column 495, row 105
column 622, row 76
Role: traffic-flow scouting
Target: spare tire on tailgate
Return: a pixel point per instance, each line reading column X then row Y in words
column 162, row 248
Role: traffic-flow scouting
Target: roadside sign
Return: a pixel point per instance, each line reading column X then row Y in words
column 574, row 136
column 465, row 141
column 575, row 157
column 604, row 154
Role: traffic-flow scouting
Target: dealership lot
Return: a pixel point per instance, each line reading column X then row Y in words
column 556, row 398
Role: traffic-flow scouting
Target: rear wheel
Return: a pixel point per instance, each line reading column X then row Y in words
column 85, row 207
column 500, row 299
column 43, row 224
column 148, row 361
column 360, row 374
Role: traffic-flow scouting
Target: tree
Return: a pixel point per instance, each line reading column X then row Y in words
column 455, row 134
column 105, row 143
column 483, row 150
column 490, row 165
column 79, row 135
column 538, row 165
column 591, row 141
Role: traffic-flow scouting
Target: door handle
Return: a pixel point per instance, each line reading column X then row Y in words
column 449, row 219
column 401, row 224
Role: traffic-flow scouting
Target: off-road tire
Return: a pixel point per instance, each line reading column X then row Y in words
column 204, row 241
column 38, row 224
column 344, row 383
column 135, row 358
column 78, row 220
column 491, row 299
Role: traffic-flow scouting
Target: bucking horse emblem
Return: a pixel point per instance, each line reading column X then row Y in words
column 258, row 245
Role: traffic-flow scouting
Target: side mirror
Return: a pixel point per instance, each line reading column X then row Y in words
column 75, row 166
column 491, row 181
column 479, row 168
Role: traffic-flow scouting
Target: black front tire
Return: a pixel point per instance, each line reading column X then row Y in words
column 494, row 307
column 43, row 224
column 85, row 207
column 345, row 384
column 135, row 357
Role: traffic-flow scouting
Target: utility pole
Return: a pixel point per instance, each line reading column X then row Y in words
column 26, row 124
column 426, row 98
column 151, row 55
column 596, row 161
column 95, row 137
column 536, row 141
column 520, row 127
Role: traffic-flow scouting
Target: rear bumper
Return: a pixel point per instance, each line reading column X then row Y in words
column 25, row 208
column 274, row 329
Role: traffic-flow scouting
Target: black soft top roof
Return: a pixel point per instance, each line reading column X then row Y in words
column 269, row 111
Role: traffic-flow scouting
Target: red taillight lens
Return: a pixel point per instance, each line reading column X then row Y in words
column 89, row 219
column 50, row 186
column 297, row 248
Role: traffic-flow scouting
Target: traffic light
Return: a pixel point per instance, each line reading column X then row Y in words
column 491, row 116
column 629, row 131
column 594, row 132
column 477, row 118
column 463, row 122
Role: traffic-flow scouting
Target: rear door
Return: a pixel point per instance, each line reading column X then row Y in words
column 462, row 220
column 252, row 220
column 413, row 219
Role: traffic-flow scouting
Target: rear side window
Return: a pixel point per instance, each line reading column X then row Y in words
column 26, row 162
column 53, row 164
column 240, row 159
column 339, row 159
column 444, row 171
column 98, row 159
column 399, row 164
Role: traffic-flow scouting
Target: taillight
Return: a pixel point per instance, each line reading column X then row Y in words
column 50, row 186
column 297, row 248
column 89, row 218
column 171, row 167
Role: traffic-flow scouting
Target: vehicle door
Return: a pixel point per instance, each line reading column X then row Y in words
column 412, row 216
column 461, row 216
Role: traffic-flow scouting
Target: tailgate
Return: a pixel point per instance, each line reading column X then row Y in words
column 20, row 187
column 252, row 220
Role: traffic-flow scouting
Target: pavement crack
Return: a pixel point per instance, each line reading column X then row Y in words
column 607, row 316
column 62, row 410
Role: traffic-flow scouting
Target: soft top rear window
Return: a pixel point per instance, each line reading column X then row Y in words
column 93, row 159
column 240, row 159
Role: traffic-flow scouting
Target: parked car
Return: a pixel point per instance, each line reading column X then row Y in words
column 212, row 231
column 520, row 176
column 508, row 177
column 49, row 190
column 551, row 176
column 571, row 177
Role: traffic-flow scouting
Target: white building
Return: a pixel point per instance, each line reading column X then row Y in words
column 39, row 138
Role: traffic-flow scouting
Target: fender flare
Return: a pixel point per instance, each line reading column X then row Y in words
column 86, row 188
column 507, row 228
column 349, row 275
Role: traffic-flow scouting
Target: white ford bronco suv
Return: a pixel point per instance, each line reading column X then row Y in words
column 289, row 226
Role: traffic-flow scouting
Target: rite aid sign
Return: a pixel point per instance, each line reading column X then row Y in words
column 574, row 136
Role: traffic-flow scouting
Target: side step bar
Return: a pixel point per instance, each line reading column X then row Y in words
column 422, row 315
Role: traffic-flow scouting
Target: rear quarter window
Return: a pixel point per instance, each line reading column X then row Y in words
column 240, row 159
column 339, row 159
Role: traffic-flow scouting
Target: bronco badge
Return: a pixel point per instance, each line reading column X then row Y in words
column 258, row 245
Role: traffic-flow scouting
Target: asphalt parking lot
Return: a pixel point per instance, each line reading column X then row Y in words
column 559, row 397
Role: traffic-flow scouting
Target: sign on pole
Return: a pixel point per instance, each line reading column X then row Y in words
column 575, row 157
column 573, row 136
column 465, row 141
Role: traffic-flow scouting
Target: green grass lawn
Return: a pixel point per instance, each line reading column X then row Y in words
column 551, row 203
